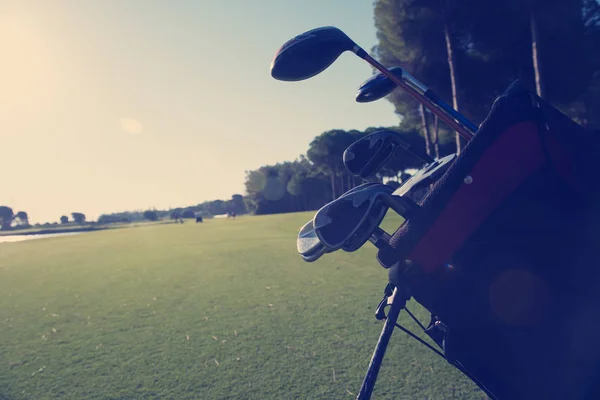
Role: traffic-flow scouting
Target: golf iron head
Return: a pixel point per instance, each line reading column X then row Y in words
column 367, row 155
column 308, row 244
column 339, row 221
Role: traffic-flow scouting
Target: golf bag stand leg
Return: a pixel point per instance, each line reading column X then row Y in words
column 397, row 302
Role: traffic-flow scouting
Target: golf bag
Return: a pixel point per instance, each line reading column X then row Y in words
column 504, row 252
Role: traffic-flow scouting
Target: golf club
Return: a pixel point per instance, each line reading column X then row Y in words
column 349, row 221
column 308, row 244
column 368, row 229
column 379, row 86
column 367, row 155
column 337, row 221
column 310, row 53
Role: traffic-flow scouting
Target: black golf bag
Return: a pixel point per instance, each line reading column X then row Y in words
column 505, row 253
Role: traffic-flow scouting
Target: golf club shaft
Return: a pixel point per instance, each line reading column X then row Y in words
column 443, row 113
column 431, row 95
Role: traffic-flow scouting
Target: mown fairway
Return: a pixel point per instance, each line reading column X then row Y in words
column 220, row 310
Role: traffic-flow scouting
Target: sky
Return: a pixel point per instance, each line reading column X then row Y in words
column 118, row 105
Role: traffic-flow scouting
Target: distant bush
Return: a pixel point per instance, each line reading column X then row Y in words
column 188, row 214
column 151, row 215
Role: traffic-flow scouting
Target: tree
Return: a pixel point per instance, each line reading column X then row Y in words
column 23, row 218
column 175, row 214
column 78, row 217
column 64, row 219
column 6, row 217
column 322, row 153
column 422, row 36
column 312, row 191
column 275, row 189
column 151, row 215
column 188, row 213
column 552, row 46
column 534, row 48
column 326, row 153
column 237, row 204
column 112, row 219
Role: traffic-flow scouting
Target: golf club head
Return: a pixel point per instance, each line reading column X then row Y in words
column 309, row 53
column 340, row 220
column 308, row 244
column 367, row 226
column 366, row 156
column 378, row 86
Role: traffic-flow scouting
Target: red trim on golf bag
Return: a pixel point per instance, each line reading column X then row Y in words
column 511, row 159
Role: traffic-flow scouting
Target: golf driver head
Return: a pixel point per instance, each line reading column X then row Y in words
column 367, row 155
column 345, row 218
column 378, row 86
column 309, row 53
column 308, row 244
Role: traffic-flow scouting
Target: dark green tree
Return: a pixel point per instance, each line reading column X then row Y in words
column 425, row 38
column 151, row 215
column 6, row 217
column 326, row 153
column 23, row 218
column 188, row 213
column 78, row 217
column 237, row 204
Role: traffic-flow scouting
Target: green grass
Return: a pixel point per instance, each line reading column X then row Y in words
column 220, row 310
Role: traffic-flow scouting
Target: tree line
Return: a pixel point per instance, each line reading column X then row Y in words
column 8, row 218
column 319, row 175
column 467, row 51
column 205, row 209
column 20, row 220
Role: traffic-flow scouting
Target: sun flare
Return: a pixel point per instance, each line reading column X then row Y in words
column 131, row 125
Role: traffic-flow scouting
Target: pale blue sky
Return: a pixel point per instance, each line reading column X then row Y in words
column 127, row 104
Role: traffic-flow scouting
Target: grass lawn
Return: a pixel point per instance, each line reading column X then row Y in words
column 220, row 310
